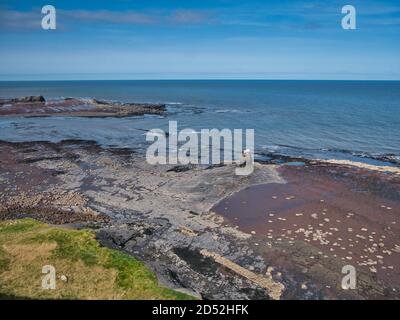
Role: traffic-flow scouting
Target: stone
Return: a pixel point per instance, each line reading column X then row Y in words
column 29, row 99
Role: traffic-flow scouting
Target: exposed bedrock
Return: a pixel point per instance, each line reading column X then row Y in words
column 162, row 214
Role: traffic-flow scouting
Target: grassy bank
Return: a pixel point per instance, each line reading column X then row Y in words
column 84, row 269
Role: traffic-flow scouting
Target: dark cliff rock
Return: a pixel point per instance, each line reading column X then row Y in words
column 29, row 99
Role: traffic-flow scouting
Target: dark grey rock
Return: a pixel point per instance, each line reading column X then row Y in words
column 29, row 99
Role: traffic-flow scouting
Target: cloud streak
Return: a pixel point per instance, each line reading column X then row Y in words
column 107, row 16
column 190, row 17
column 300, row 15
column 12, row 20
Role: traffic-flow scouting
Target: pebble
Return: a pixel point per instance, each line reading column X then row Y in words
column 269, row 270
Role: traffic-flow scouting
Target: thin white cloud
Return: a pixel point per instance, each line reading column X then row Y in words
column 13, row 20
column 107, row 16
column 190, row 17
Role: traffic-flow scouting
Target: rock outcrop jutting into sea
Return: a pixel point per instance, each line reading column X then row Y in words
column 38, row 106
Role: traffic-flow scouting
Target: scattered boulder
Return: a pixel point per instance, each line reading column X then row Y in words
column 182, row 168
column 29, row 99
column 99, row 102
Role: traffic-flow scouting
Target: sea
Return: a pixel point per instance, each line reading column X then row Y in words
column 351, row 120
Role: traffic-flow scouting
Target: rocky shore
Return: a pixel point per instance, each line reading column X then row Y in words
column 181, row 221
column 38, row 106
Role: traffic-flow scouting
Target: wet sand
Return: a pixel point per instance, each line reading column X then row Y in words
column 348, row 214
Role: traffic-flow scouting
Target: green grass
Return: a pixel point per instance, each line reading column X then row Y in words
column 93, row 272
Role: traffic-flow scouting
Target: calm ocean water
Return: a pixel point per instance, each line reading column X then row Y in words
column 314, row 119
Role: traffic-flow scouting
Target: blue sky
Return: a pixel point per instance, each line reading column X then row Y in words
column 202, row 39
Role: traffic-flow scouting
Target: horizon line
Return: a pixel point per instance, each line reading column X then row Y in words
column 198, row 79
